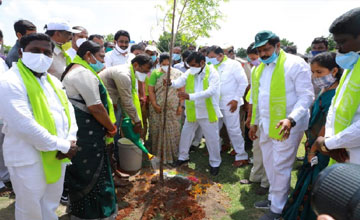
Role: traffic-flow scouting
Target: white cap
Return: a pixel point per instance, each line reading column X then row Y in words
column 150, row 48
column 60, row 25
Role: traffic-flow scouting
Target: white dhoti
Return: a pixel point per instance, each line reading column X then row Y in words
column 4, row 173
column 211, row 133
column 35, row 200
column 232, row 123
column 278, row 160
column 257, row 173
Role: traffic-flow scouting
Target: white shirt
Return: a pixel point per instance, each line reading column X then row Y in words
column 349, row 138
column 3, row 69
column 71, row 52
column 24, row 137
column 233, row 83
column 114, row 57
column 58, row 65
column 200, row 94
column 299, row 93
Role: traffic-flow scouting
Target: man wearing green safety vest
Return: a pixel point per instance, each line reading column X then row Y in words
column 60, row 32
column 233, row 83
column 342, row 127
column 40, row 130
column 202, row 93
column 281, row 94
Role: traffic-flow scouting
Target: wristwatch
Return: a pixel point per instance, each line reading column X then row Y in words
column 324, row 148
column 292, row 121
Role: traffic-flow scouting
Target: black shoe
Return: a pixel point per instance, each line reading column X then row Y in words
column 270, row 216
column 262, row 191
column 214, row 170
column 263, row 204
column 193, row 148
column 179, row 163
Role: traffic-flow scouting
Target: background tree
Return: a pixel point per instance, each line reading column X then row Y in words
column 109, row 38
column 194, row 18
column 241, row 52
column 285, row 42
column 164, row 39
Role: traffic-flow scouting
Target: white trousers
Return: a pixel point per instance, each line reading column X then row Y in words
column 4, row 173
column 35, row 200
column 278, row 160
column 232, row 123
column 257, row 173
column 198, row 137
column 211, row 133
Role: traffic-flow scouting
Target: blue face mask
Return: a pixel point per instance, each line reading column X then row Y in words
column 176, row 56
column 347, row 60
column 153, row 58
column 314, row 53
column 207, row 60
column 98, row 66
column 271, row 59
column 214, row 61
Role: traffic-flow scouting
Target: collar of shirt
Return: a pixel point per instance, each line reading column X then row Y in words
column 57, row 50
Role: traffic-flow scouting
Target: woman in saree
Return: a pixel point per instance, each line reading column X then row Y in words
column 173, row 112
column 326, row 76
column 91, row 187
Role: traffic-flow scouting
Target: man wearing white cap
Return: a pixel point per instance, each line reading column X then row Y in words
column 60, row 33
column 120, row 54
column 77, row 40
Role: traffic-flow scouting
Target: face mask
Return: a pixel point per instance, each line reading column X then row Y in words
column 153, row 58
column 347, row 60
column 165, row 68
column 195, row 70
column 119, row 49
column 140, row 76
column 255, row 62
column 98, row 66
column 80, row 41
column 214, row 61
column 176, row 57
column 314, row 53
column 324, row 82
column 271, row 59
column 207, row 60
column 37, row 62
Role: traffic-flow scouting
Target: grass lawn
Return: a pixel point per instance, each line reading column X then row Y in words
column 242, row 197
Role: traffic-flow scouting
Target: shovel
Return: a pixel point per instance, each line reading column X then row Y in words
column 127, row 129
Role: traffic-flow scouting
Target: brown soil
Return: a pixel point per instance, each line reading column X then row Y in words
column 191, row 196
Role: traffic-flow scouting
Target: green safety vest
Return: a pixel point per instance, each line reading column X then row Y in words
column 248, row 94
column 190, row 104
column 277, row 95
column 43, row 116
column 135, row 95
column 349, row 101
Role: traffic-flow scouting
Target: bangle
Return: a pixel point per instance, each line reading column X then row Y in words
column 113, row 131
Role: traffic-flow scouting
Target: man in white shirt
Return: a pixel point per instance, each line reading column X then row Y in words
column 26, row 140
column 346, row 32
column 198, row 113
column 282, row 93
column 233, row 83
column 60, row 32
column 120, row 54
column 77, row 40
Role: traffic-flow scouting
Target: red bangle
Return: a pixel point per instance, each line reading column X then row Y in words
column 113, row 131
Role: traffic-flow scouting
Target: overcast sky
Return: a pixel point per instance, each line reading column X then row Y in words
column 299, row 21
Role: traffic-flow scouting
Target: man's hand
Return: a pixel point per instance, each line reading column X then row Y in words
column 157, row 108
column 252, row 132
column 72, row 151
column 340, row 155
column 183, row 95
column 233, row 105
column 165, row 82
column 137, row 127
column 179, row 110
column 285, row 128
column 112, row 133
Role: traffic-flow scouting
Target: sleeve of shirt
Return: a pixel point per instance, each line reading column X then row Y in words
column 181, row 81
column 123, row 85
column 16, row 112
column 241, row 80
column 328, row 124
column 107, row 59
column 153, row 78
column 304, row 91
column 88, row 87
column 348, row 138
column 214, row 87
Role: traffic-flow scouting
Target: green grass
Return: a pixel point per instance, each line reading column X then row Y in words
column 242, row 197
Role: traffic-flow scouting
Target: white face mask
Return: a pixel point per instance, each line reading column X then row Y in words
column 119, row 49
column 165, row 68
column 140, row 76
column 194, row 70
column 37, row 62
column 80, row 41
